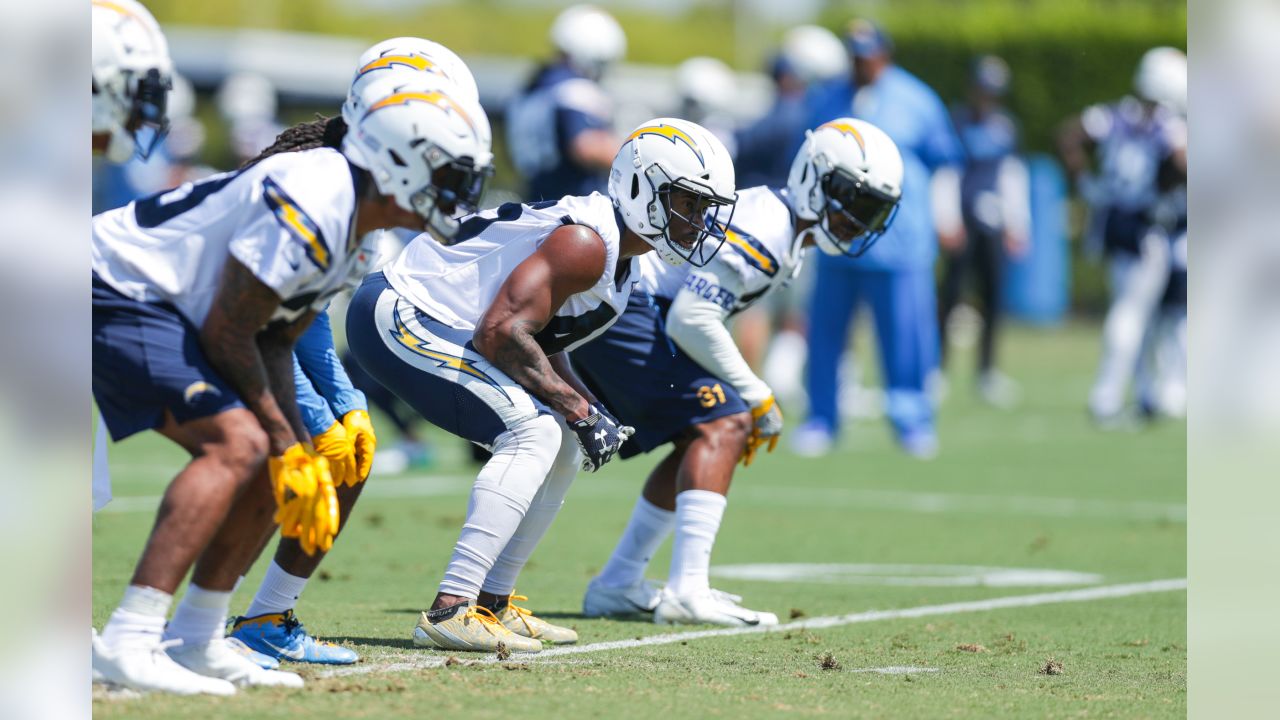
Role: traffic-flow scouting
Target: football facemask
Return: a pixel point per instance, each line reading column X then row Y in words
column 855, row 215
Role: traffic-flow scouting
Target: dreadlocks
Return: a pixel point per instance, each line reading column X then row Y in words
column 321, row 132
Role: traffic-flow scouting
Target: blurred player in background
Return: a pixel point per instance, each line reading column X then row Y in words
column 334, row 411
column 1116, row 153
column 707, row 92
column 670, row 368
column 560, row 128
column 895, row 278
column 475, row 336
column 994, row 202
column 809, row 55
column 207, row 361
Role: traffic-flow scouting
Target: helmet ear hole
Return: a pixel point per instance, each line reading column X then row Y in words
column 635, row 186
column 395, row 158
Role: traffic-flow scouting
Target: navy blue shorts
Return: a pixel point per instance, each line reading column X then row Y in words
column 147, row 359
column 433, row 367
column 648, row 382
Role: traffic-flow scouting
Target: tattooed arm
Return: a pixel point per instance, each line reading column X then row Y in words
column 241, row 309
column 569, row 261
column 275, row 343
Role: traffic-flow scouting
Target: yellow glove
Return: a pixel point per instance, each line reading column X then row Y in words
column 360, row 430
column 306, row 503
column 335, row 445
column 766, row 427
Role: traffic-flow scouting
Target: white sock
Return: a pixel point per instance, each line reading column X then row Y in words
column 200, row 617
column 278, row 592
column 506, row 485
column 140, row 617
column 647, row 529
column 501, row 580
column 698, row 514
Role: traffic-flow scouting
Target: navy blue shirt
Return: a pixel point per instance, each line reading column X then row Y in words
column 543, row 121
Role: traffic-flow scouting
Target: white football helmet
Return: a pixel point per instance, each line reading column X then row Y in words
column 408, row 55
column 1161, row 78
column 815, row 53
column 131, row 77
column 589, row 37
column 426, row 144
column 666, row 155
column 847, row 172
column 706, row 85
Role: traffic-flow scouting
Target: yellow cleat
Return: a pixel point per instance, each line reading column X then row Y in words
column 522, row 622
column 468, row 627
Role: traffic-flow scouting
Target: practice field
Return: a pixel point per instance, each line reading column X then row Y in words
column 1035, row 569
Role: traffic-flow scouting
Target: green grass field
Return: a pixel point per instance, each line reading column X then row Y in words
column 1035, row 488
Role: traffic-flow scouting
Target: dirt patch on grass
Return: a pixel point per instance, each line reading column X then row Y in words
column 971, row 648
column 1051, row 667
column 827, row 661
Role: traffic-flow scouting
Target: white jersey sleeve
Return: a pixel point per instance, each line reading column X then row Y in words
column 289, row 244
column 288, row 219
column 696, row 324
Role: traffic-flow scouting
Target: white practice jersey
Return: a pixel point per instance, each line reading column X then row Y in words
column 288, row 219
column 456, row 284
column 757, row 257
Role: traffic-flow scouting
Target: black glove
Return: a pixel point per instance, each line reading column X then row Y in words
column 599, row 436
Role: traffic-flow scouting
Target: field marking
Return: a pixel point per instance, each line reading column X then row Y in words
column 898, row 575
column 420, row 661
column 896, row 670
column 853, row 498
column 389, row 488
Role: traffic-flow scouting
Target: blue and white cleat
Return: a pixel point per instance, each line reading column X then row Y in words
column 266, row 662
column 281, row 636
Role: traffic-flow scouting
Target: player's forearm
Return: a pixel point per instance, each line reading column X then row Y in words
column 277, row 359
column 564, row 368
column 237, row 358
column 512, row 349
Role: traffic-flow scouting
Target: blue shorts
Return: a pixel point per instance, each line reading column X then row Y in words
column 433, row 367
column 648, row 382
column 147, row 359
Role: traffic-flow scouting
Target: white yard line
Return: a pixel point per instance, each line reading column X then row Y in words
column 836, row 497
column 427, row 659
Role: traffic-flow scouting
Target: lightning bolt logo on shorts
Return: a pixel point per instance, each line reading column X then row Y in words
column 419, row 346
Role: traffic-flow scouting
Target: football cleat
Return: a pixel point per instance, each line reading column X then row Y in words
column 146, row 667
column 217, row 659
column 466, row 626
column 710, row 607
column 282, row 636
column 523, row 622
column 266, row 662
column 605, row 601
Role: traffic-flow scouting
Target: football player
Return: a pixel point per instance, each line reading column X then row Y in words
column 132, row 76
column 670, row 368
column 198, row 296
column 1132, row 139
column 335, row 412
column 560, row 128
column 475, row 337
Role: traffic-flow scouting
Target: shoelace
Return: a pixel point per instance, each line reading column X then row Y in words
column 486, row 617
column 522, row 613
column 293, row 625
